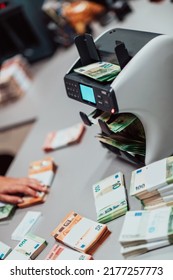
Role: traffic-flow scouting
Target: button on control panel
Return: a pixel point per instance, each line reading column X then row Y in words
column 72, row 88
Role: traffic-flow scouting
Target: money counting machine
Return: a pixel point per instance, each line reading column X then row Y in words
column 144, row 86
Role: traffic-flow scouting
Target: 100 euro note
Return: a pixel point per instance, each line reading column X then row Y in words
column 145, row 226
column 110, row 198
column 137, row 250
column 154, row 178
column 100, row 71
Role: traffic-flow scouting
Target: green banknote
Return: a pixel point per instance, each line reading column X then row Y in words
column 100, row 71
column 169, row 170
column 6, row 210
column 133, row 147
column 121, row 122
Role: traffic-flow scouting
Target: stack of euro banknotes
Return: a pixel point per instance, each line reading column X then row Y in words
column 80, row 233
column 43, row 170
column 110, row 198
column 101, row 71
column 146, row 230
column 16, row 79
column 152, row 227
column 28, row 248
column 153, row 184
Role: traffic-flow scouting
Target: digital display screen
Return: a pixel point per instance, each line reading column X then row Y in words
column 87, row 93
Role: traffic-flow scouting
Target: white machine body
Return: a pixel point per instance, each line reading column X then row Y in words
column 145, row 88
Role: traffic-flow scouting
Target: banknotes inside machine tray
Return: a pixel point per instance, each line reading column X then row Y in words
column 100, row 71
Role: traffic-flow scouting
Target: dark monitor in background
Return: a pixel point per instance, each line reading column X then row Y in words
column 20, row 34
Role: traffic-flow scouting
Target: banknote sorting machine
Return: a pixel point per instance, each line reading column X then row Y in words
column 144, row 87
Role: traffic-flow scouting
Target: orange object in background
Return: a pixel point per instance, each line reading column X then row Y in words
column 80, row 13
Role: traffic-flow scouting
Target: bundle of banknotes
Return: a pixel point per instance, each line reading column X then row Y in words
column 110, row 198
column 100, row 71
column 15, row 78
column 153, row 184
column 44, row 171
column 64, row 137
column 80, row 233
column 4, row 250
column 26, row 224
column 146, row 230
column 6, row 211
column 125, row 132
column 59, row 252
column 28, row 248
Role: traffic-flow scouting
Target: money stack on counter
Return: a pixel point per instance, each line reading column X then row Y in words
column 146, row 230
column 64, row 137
column 4, row 250
column 110, row 198
column 153, row 184
column 28, row 248
column 26, row 224
column 44, row 171
column 80, row 233
column 59, row 252
column 15, row 78
column 126, row 132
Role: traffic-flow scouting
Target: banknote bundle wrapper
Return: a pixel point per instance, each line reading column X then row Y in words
column 153, row 184
column 110, row 198
column 63, row 137
column 44, row 171
column 6, row 211
column 26, row 224
column 28, row 248
column 59, row 252
column 146, row 230
column 126, row 132
column 80, row 233
column 15, row 78
column 4, row 250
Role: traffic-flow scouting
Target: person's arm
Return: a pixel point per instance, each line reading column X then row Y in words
column 12, row 188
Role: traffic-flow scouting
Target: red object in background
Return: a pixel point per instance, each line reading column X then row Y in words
column 3, row 5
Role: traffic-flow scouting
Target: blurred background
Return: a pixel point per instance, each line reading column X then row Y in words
column 37, row 28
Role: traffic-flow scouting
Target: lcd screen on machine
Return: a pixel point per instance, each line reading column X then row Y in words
column 87, row 93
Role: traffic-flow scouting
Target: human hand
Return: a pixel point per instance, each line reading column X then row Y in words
column 11, row 188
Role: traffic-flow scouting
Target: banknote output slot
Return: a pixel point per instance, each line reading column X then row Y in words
column 104, row 127
column 85, row 119
column 121, row 133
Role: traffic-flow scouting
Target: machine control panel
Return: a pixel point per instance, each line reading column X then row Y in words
column 94, row 95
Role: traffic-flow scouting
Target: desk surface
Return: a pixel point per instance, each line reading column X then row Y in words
column 82, row 165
